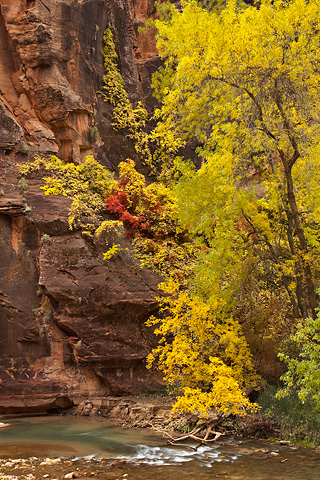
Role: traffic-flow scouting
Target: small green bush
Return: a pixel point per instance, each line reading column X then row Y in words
column 298, row 422
column 22, row 184
column 45, row 238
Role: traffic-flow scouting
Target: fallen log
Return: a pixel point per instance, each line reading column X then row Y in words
column 195, row 435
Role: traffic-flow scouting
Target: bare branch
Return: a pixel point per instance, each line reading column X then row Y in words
column 192, row 436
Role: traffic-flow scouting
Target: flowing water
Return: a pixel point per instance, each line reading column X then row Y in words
column 147, row 455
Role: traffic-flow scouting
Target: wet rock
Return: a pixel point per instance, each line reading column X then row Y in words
column 262, row 450
column 246, row 451
column 118, row 463
column 72, row 475
column 50, row 461
column 3, row 425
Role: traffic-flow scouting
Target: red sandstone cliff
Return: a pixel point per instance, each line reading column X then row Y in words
column 71, row 326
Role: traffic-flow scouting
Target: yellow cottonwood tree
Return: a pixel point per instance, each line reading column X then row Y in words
column 245, row 84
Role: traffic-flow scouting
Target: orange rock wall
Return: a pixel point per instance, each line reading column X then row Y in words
column 51, row 68
column 71, row 325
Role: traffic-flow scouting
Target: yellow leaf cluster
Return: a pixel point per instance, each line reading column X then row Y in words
column 87, row 185
column 124, row 116
column 207, row 358
column 116, row 248
column 244, row 85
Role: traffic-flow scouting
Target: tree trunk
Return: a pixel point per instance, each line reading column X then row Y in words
column 311, row 293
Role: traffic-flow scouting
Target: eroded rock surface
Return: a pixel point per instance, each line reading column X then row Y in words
column 71, row 325
column 51, row 68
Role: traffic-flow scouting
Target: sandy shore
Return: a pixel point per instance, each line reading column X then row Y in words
column 56, row 468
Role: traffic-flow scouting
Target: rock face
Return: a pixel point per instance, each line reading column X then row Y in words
column 51, row 68
column 71, row 325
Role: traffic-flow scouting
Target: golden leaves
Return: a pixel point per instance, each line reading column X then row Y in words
column 207, row 358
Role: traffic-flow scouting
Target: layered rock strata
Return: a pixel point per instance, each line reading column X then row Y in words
column 51, row 68
column 71, row 325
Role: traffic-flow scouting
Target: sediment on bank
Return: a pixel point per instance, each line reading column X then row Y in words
column 155, row 412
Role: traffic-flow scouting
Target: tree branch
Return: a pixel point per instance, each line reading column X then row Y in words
column 255, row 101
column 288, row 128
column 193, row 435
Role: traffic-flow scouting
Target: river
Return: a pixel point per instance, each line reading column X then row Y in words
column 146, row 456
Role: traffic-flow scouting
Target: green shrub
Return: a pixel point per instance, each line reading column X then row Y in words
column 298, row 422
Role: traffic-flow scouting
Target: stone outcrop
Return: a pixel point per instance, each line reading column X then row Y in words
column 51, row 68
column 10, row 131
column 71, row 325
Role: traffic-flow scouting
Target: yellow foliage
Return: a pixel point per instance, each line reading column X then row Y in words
column 208, row 357
column 124, row 116
column 108, row 233
column 116, row 248
column 113, row 227
column 244, row 86
column 87, row 185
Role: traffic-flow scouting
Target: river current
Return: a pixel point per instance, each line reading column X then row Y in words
column 148, row 457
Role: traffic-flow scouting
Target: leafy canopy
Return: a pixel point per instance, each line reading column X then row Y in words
column 244, row 84
column 303, row 375
column 223, row 74
column 207, row 357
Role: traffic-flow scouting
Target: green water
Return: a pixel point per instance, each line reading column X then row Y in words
column 147, row 455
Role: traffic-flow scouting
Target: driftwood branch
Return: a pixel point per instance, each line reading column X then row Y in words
column 193, row 435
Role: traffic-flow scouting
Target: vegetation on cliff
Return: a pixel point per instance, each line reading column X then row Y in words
column 124, row 115
column 205, row 345
column 87, row 185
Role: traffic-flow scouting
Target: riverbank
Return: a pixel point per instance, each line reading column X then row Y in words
column 34, row 468
column 57, row 447
column 284, row 420
column 153, row 411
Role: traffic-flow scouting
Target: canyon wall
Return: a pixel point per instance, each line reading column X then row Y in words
column 71, row 325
